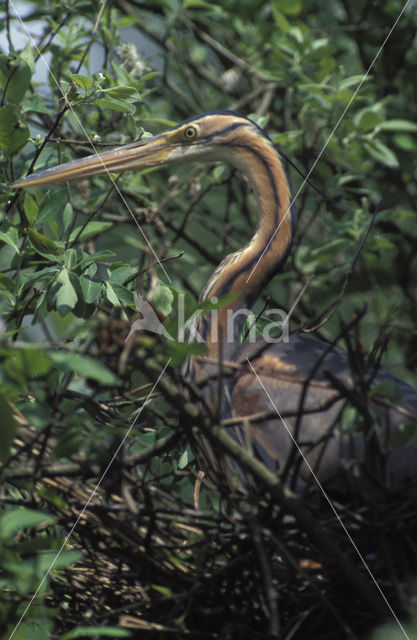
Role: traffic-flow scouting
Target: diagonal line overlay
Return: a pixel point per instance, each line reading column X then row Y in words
column 322, row 490
column 92, row 494
column 328, row 139
column 123, row 199
column 250, row 275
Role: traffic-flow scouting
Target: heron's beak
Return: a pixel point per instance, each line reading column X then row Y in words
column 137, row 155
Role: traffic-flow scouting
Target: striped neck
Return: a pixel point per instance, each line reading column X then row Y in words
column 243, row 274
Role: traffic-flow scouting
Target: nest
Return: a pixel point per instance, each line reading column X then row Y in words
column 241, row 567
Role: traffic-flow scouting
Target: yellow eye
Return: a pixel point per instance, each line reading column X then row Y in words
column 190, row 132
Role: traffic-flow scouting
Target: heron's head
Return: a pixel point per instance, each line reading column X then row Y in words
column 209, row 137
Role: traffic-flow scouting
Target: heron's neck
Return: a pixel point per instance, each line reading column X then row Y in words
column 243, row 274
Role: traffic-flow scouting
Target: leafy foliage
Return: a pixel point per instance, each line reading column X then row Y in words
column 85, row 77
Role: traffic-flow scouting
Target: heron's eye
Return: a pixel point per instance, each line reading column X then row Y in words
column 190, row 133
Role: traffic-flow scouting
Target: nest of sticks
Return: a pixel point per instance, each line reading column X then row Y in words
column 159, row 562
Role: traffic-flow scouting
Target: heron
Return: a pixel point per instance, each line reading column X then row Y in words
column 295, row 386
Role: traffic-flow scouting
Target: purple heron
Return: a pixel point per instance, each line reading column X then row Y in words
column 288, row 383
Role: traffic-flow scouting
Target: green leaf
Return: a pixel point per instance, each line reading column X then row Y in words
column 85, row 82
column 22, row 364
column 121, row 274
column 26, row 54
column 131, row 126
column 99, row 255
column 8, row 234
column 185, row 458
column 328, row 249
column 30, row 207
column 398, row 125
column 280, row 20
column 7, row 283
column 35, row 103
column 123, row 92
column 166, row 591
column 96, row 632
column 52, row 561
column 84, row 366
column 15, row 77
column 67, row 216
column 405, row 434
column 30, row 279
column 381, row 153
column 91, row 229
column 43, row 245
column 8, row 429
column 387, row 389
column 5, row 293
column 163, row 299
column 349, row 420
column 14, row 520
column 405, row 141
column 70, row 258
column 111, row 295
column 352, row 81
column 312, row 257
column 117, row 105
column 146, row 77
column 90, row 288
column 197, row 4
column 92, row 266
column 52, row 206
column 179, row 351
column 29, row 362
column 38, row 414
column 35, row 363
column 66, row 297
column 290, row 7
column 13, row 132
column 124, row 295
column 368, row 120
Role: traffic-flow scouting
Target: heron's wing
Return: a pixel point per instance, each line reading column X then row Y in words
column 292, row 385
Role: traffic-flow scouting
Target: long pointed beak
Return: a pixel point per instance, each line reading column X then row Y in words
column 136, row 155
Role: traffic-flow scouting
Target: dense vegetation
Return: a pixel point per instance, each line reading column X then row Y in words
column 76, row 77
